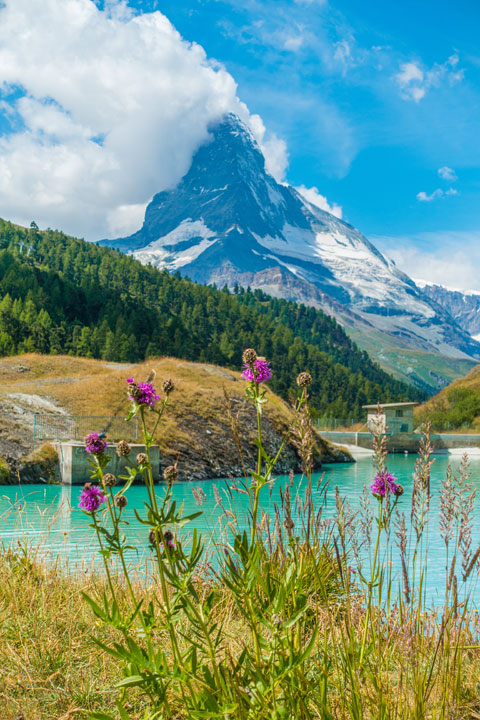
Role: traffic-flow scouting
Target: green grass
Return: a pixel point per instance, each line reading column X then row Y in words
column 429, row 371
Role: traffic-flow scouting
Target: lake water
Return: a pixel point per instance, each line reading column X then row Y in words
column 47, row 516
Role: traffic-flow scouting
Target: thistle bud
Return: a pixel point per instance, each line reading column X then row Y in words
column 121, row 501
column 168, row 387
column 135, row 392
column 249, row 356
column 109, row 480
column 123, row 449
column 168, row 536
column 304, row 379
column 170, row 474
column 141, row 459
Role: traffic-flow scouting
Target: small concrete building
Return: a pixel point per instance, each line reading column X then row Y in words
column 394, row 418
column 75, row 468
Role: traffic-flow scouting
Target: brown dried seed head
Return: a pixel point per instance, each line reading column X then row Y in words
column 152, row 537
column 109, row 480
column 304, row 379
column 151, row 376
column 121, row 501
column 141, row 459
column 168, row 536
column 135, row 392
column 170, row 474
column 399, row 490
column 168, row 386
column 123, row 448
column 249, row 356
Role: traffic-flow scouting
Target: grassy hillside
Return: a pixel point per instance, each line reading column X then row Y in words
column 429, row 372
column 457, row 407
column 197, row 429
column 72, row 297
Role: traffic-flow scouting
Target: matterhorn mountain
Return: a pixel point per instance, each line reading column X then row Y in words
column 463, row 305
column 230, row 222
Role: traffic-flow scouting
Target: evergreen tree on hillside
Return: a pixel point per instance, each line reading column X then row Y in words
column 74, row 297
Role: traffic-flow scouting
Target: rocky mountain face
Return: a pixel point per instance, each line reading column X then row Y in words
column 228, row 221
column 463, row 305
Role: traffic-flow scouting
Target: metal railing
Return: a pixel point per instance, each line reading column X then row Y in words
column 76, row 427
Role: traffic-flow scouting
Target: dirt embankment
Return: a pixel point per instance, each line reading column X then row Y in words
column 198, row 431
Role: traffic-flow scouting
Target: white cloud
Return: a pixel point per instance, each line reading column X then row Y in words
column 436, row 194
column 446, row 173
column 114, row 106
column 415, row 81
column 409, row 73
column 293, row 42
column 448, row 258
column 423, row 197
column 314, row 197
column 273, row 148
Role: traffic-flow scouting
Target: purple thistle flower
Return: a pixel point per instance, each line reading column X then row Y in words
column 94, row 444
column 142, row 393
column 170, row 545
column 91, row 498
column 259, row 371
column 384, row 482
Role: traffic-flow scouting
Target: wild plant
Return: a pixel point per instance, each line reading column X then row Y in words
column 176, row 651
column 301, row 616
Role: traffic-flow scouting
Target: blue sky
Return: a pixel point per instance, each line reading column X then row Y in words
column 377, row 104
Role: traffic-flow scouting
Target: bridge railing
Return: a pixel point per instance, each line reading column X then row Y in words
column 76, row 427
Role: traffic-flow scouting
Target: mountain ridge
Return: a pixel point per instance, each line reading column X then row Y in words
column 229, row 222
column 463, row 305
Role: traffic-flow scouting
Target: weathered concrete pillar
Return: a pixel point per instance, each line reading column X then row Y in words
column 75, row 468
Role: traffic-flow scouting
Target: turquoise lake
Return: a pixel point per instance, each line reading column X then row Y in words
column 47, row 516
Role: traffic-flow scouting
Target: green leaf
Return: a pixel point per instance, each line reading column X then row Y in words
column 131, row 681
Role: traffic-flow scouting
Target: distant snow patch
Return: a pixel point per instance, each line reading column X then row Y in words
column 158, row 253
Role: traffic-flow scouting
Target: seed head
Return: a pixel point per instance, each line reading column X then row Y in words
column 141, row 459
column 249, row 356
column 168, row 536
column 304, row 379
column 109, row 480
column 398, row 490
column 121, row 501
column 152, row 535
column 168, row 386
column 123, row 449
column 170, row 474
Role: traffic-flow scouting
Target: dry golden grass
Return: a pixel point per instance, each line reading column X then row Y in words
column 50, row 668
column 195, row 429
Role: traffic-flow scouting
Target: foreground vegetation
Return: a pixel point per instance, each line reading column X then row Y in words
column 60, row 295
column 296, row 617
